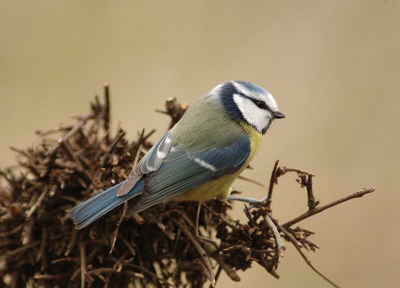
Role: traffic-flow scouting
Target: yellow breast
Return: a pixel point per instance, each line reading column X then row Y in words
column 255, row 140
column 220, row 187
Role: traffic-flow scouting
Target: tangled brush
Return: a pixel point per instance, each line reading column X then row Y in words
column 180, row 245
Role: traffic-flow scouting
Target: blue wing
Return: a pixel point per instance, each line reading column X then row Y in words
column 183, row 170
column 149, row 163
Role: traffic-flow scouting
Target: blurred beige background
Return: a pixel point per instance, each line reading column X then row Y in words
column 333, row 66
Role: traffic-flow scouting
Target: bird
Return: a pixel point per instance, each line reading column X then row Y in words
column 199, row 158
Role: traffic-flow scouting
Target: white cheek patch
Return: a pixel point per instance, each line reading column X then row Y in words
column 255, row 116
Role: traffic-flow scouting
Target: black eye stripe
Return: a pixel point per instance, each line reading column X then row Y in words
column 260, row 104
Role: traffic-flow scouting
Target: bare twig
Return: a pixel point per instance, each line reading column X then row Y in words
column 113, row 271
column 174, row 109
column 222, row 217
column 279, row 243
column 107, row 110
column 115, row 234
column 268, row 267
column 147, row 271
column 312, row 203
column 211, row 250
column 50, row 277
column 71, row 243
column 251, row 181
column 83, row 263
column 121, row 134
column 148, row 135
column 294, row 242
column 129, row 246
column 56, row 129
column 139, row 148
column 37, row 204
column 217, row 276
column 197, row 219
column 200, row 249
column 317, row 210
column 283, row 170
column 152, row 219
column 19, row 250
column 272, row 182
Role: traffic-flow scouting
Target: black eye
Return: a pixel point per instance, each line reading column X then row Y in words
column 261, row 104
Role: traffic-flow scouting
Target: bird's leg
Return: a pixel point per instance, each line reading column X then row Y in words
column 251, row 201
column 164, row 203
column 197, row 225
column 197, row 219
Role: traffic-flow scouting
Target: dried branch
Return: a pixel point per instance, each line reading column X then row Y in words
column 295, row 243
column 37, row 204
column 251, row 181
column 212, row 249
column 317, row 210
column 121, row 134
column 273, row 180
column 83, row 263
column 203, row 254
column 280, row 247
column 174, row 109
column 115, row 233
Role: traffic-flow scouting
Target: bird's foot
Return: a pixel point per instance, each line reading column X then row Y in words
column 252, row 202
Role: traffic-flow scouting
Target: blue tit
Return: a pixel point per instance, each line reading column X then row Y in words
column 199, row 158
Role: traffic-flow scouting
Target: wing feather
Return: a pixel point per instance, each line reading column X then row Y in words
column 149, row 163
column 184, row 170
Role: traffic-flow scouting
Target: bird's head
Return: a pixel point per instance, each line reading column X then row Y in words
column 249, row 103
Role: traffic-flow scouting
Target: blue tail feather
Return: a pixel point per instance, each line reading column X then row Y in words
column 95, row 207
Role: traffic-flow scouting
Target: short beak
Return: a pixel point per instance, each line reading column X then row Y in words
column 278, row 115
